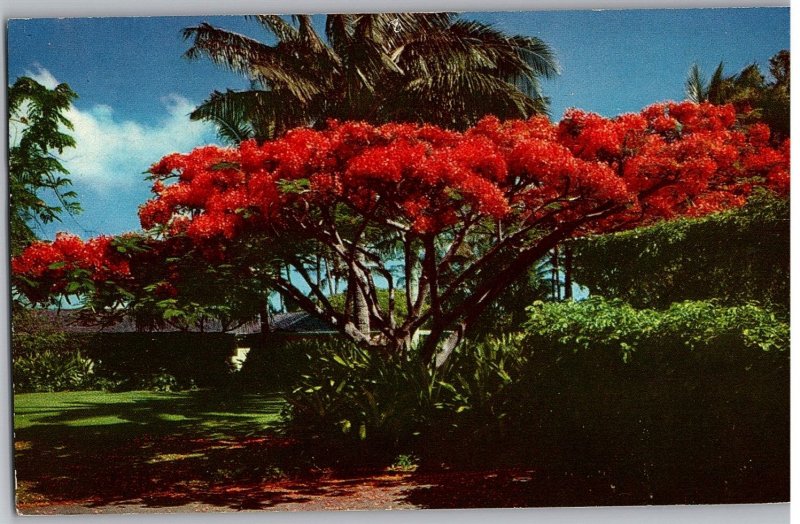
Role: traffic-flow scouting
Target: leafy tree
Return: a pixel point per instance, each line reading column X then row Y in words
column 755, row 99
column 429, row 68
column 36, row 122
column 432, row 68
column 480, row 207
column 734, row 257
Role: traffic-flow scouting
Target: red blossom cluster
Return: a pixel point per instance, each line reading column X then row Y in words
column 51, row 265
column 672, row 159
column 669, row 160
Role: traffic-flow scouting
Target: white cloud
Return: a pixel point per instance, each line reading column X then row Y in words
column 43, row 76
column 114, row 152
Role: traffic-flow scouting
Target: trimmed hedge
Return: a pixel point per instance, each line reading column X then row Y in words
column 689, row 404
column 736, row 256
column 52, row 360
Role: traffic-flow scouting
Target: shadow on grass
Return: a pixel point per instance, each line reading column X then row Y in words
column 156, row 449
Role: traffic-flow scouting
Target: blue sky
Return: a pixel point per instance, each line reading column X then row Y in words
column 136, row 89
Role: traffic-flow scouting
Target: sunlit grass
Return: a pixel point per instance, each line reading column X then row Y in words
column 205, row 413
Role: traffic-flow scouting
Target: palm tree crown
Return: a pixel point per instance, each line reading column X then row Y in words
column 432, row 68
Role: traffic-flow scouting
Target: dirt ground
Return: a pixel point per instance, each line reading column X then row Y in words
column 381, row 491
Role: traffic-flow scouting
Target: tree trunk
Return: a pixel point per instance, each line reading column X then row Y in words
column 567, row 272
column 412, row 289
column 360, row 306
column 263, row 315
column 555, row 275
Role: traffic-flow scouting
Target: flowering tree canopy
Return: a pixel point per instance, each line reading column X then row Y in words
column 471, row 211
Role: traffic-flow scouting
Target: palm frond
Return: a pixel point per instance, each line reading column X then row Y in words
column 283, row 30
column 467, row 46
column 240, row 115
column 696, row 90
column 245, row 55
column 227, row 116
column 715, row 90
column 458, row 101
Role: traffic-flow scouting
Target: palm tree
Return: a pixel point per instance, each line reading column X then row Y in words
column 754, row 98
column 431, row 68
column 715, row 91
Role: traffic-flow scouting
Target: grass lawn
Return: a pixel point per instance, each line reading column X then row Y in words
column 203, row 413
column 100, row 448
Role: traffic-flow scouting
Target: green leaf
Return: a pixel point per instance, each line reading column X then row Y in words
column 173, row 313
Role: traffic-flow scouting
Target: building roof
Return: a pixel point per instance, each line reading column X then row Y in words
column 75, row 321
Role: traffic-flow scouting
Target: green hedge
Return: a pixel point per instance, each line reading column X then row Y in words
column 735, row 256
column 687, row 404
column 47, row 359
column 278, row 362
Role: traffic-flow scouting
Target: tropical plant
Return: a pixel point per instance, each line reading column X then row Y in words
column 432, row 68
column 52, row 371
column 38, row 189
column 350, row 395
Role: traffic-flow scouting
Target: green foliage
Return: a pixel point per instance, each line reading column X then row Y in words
column 597, row 324
column 381, row 67
column 507, row 313
column 277, row 363
column 734, row 257
column 52, row 371
column 481, row 380
column 662, row 402
column 36, row 117
column 160, row 381
column 182, row 291
column 400, row 306
column 47, row 358
column 352, row 396
column 405, row 463
column 32, row 333
column 163, row 361
column 668, row 401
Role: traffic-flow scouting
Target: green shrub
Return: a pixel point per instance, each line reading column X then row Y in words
column 42, row 350
column 480, row 378
column 674, row 401
column 161, row 381
column 52, row 371
column 612, row 325
column 363, row 403
column 278, row 365
column 676, row 405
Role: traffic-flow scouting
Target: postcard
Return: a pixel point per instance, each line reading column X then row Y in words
column 399, row 260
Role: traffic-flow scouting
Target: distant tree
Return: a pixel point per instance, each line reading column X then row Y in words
column 36, row 121
column 754, row 98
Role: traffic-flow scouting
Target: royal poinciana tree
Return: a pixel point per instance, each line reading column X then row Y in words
column 473, row 210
